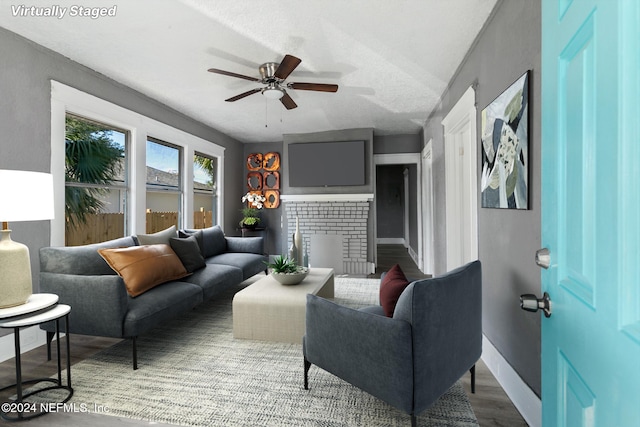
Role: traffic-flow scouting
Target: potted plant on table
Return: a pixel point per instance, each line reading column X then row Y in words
column 286, row 271
column 251, row 213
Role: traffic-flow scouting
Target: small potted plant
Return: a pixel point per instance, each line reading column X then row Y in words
column 251, row 213
column 286, row 271
column 250, row 218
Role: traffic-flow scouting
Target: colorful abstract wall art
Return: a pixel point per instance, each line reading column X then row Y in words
column 505, row 148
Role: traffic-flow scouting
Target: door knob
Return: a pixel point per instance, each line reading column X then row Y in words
column 530, row 302
column 543, row 258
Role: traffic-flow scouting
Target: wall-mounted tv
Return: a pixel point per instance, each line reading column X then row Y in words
column 326, row 164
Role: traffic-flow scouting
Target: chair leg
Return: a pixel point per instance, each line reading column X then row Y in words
column 135, row 353
column 473, row 378
column 50, row 336
column 414, row 421
column 307, row 365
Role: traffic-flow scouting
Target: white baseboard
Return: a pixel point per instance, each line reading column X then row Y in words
column 414, row 256
column 390, row 241
column 525, row 400
column 30, row 338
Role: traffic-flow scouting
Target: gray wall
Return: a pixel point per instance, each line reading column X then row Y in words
column 25, row 121
column 271, row 218
column 405, row 143
column 382, row 144
column 508, row 46
column 369, row 187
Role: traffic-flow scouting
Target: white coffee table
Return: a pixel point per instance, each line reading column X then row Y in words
column 270, row 311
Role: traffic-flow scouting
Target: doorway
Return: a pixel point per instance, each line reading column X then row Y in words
column 410, row 209
column 461, row 201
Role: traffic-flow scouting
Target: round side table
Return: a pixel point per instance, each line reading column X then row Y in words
column 40, row 308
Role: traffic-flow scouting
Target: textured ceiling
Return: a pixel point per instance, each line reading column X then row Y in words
column 391, row 59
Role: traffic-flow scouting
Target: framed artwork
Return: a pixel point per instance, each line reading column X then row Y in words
column 254, row 162
column 254, row 181
column 271, row 162
column 504, row 182
column 263, row 177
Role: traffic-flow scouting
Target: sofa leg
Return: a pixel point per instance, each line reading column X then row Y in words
column 473, row 378
column 307, row 365
column 414, row 421
column 50, row 336
column 135, row 353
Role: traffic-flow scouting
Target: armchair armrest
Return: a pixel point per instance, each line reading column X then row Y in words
column 252, row 245
column 370, row 351
column 98, row 303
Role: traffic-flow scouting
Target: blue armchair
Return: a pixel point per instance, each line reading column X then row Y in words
column 408, row 360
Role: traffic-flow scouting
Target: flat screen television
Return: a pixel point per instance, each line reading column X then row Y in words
column 326, row 164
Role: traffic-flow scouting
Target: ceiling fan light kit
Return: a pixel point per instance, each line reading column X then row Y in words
column 273, row 91
column 273, row 75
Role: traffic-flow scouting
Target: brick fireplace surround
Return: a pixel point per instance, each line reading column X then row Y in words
column 346, row 216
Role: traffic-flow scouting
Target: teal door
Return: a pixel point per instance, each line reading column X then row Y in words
column 591, row 212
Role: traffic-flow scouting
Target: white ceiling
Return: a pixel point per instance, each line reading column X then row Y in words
column 391, row 59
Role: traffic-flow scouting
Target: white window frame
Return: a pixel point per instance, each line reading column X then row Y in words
column 65, row 99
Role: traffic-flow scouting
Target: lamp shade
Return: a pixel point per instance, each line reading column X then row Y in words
column 25, row 196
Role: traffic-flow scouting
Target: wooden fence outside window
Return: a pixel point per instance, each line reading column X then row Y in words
column 108, row 226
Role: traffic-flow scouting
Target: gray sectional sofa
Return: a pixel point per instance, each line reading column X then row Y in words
column 101, row 305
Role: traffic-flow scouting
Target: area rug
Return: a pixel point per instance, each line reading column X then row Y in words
column 194, row 373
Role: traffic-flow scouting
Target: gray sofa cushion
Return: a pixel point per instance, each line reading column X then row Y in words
column 374, row 309
column 83, row 260
column 250, row 264
column 215, row 278
column 160, row 304
column 254, row 245
column 213, row 241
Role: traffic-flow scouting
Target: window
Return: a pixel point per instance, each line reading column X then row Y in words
column 205, row 199
column 95, row 181
column 164, row 186
column 125, row 192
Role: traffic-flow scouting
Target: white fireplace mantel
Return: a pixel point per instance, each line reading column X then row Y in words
column 360, row 197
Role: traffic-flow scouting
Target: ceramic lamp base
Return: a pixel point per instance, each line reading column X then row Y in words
column 15, row 280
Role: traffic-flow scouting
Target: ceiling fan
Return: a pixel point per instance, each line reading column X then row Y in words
column 273, row 76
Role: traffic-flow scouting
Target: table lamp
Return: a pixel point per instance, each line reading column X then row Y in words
column 24, row 196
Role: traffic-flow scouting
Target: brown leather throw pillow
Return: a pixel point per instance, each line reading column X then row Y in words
column 144, row 267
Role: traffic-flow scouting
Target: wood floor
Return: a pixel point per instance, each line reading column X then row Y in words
column 490, row 404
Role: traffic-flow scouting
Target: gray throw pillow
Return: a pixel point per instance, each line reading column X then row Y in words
column 214, row 241
column 189, row 253
column 195, row 233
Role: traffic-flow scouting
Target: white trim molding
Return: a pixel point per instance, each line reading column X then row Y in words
column 360, row 197
column 524, row 399
column 30, row 338
column 461, row 187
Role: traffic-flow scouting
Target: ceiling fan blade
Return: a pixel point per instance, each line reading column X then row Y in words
column 320, row 87
column 243, row 95
column 230, row 74
column 288, row 64
column 288, row 103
